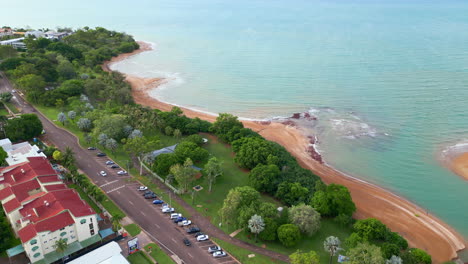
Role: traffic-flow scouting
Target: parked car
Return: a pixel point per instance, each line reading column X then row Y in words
column 109, row 162
column 151, row 196
column 142, row 188
column 147, row 192
column 198, row 234
column 165, row 205
column 202, row 238
column 186, row 222
column 91, row 148
column 179, row 219
column 168, row 210
column 187, row 242
column 122, row 172
column 213, row 249
column 219, row 254
column 101, row 154
column 175, row 215
column 158, row 201
column 103, row 173
column 114, row 166
column 192, row 230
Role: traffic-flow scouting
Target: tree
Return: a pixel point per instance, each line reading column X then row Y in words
column 394, row 260
column 3, row 156
column 292, row 193
column 389, row 249
column 365, row 253
column 197, row 139
column 263, row 176
column 57, row 155
column 116, row 222
column 102, row 139
column 62, row 118
column 256, row 225
column 60, row 246
column 240, row 204
column 163, row 163
column 212, row 171
column 112, row 125
column 135, row 133
column 33, row 84
column 7, row 51
column 24, row 128
column 299, row 257
column 269, row 233
column 332, row 246
column 65, row 70
column 111, row 144
column 177, row 133
column 371, row 229
column 84, row 124
column 68, row 157
column 251, row 151
column 416, row 256
column 224, row 124
column 139, row 146
column 306, row 218
column 72, row 115
column 5, row 97
column 190, row 150
column 88, row 138
column 334, row 201
column 168, row 131
column 289, row 235
column 184, row 174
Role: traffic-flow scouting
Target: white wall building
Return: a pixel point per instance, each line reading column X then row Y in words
column 18, row 153
column 107, row 254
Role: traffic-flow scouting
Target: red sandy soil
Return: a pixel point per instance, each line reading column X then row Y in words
column 414, row 223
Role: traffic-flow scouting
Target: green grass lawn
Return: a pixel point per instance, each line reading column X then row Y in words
column 157, row 254
column 111, row 207
column 315, row 243
column 139, row 257
column 85, row 197
column 133, row 229
column 242, row 254
column 12, row 107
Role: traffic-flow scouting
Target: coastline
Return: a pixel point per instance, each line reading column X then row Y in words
column 419, row 228
column 459, row 165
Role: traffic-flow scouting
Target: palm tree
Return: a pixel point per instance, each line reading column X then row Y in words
column 256, row 225
column 116, row 222
column 332, row 246
column 60, row 246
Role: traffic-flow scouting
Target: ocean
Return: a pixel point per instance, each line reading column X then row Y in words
column 386, row 80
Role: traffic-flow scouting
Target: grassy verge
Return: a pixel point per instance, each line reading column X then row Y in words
column 12, row 107
column 85, row 197
column 133, row 229
column 111, row 207
column 139, row 257
column 242, row 254
column 157, row 254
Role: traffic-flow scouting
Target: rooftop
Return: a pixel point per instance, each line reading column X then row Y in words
column 22, row 172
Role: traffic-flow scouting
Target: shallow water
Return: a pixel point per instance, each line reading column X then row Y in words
column 387, row 80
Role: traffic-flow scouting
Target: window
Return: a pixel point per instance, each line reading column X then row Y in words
column 62, row 228
column 63, row 233
column 37, row 255
column 70, row 225
column 35, row 248
column 65, row 239
column 91, row 226
column 83, row 221
column 33, row 242
column 91, row 232
column 91, row 219
column 71, row 231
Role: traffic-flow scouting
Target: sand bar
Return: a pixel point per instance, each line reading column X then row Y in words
column 422, row 230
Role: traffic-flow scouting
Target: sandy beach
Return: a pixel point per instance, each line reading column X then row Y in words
column 422, row 230
column 459, row 165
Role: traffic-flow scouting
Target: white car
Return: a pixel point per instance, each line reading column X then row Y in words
column 103, row 173
column 186, row 222
column 174, row 216
column 202, row 238
column 219, row 254
column 109, row 162
column 168, row 210
column 142, row 188
column 122, row 172
column 213, row 249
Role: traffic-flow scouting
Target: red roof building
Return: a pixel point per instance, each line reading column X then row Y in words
column 36, row 167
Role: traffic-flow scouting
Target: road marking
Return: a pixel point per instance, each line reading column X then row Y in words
column 157, row 225
column 108, row 183
column 131, row 202
column 118, row 188
column 174, row 240
column 190, row 255
column 142, row 212
column 118, row 192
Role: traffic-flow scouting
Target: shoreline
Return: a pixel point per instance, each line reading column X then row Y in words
column 412, row 222
column 459, row 165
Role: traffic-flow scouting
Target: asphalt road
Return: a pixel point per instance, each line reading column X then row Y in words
column 124, row 194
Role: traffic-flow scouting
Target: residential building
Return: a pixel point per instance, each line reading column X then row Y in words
column 34, row 34
column 42, row 210
column 5, row 32
column 107, row 254
column 16, row 43
column 55, row 35
column 18, row 153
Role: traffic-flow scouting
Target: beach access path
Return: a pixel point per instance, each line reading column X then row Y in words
column 422, row 230
column 126, row 196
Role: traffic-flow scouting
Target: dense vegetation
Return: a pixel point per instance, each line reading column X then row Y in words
column 67, row 75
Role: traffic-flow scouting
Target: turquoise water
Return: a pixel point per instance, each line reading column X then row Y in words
column 387, row 80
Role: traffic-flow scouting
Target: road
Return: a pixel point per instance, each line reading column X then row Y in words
column 124, row 194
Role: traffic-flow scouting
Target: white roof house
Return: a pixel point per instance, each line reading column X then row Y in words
column 107, row 254
column 18, row 153
column 36, row 34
